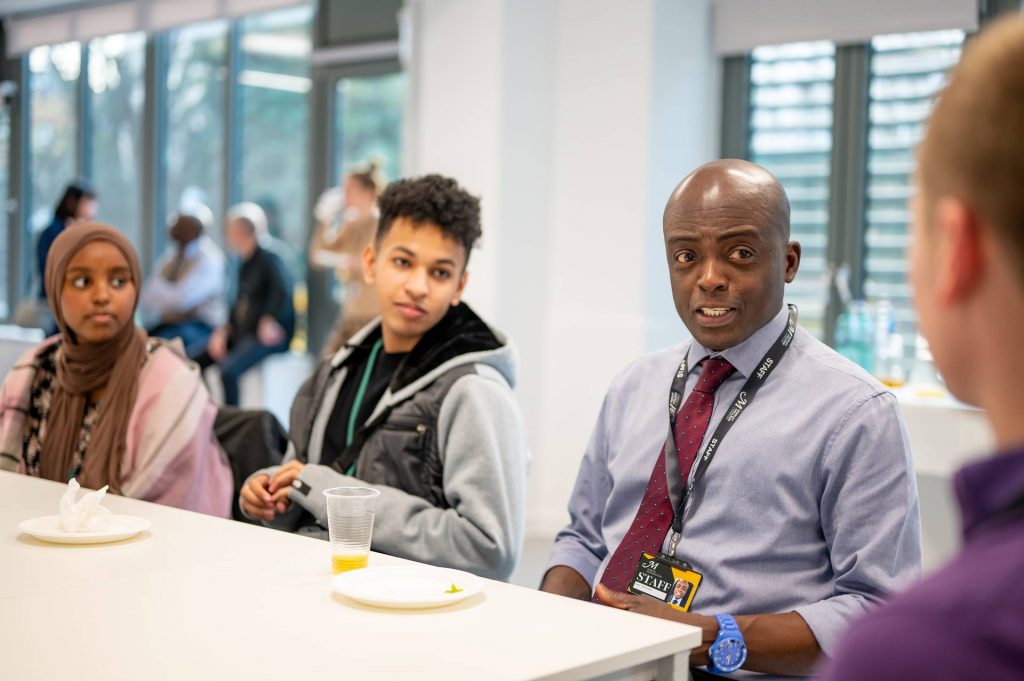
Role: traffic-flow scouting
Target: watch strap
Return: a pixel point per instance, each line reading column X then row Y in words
column 727, row 628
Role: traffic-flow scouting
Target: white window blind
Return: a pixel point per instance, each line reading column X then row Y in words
column 108, row 18
column 907, row 71
column 791, row 135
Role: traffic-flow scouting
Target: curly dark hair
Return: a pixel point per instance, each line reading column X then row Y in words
column 435, row 199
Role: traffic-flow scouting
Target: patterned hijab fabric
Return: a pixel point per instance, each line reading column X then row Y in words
column 83, row 368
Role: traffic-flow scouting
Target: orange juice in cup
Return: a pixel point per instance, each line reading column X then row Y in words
column 350, row 512
column 343, row 562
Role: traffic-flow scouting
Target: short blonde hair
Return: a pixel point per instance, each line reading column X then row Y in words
column 973, row 146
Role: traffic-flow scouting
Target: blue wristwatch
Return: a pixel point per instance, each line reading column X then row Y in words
column 728, row 652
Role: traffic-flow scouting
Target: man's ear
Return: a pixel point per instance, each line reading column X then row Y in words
column 792, row 260
column 370, row 263
column 457, row 298
column 959, row 252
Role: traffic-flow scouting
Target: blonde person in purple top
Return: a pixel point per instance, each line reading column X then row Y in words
column 967, row 268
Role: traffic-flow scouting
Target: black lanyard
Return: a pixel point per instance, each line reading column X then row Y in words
column 678, row 492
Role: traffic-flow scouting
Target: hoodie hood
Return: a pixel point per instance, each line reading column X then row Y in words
column 460, row 338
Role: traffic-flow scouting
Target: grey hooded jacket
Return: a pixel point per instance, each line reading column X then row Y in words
column 445, row 446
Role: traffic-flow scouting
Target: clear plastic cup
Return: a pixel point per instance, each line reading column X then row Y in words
column 350, row 513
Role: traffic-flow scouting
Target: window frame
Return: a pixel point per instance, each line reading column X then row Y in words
column 848, row 175
column 152, row 186
column 322, row 173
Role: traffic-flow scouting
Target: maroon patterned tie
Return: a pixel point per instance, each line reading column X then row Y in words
column 654, row 517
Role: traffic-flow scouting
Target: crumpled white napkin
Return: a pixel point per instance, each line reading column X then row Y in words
column 86, row 514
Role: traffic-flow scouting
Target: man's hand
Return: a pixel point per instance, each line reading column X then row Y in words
column 217, row 346
column 282, row 482
column 648, row 606
column 257, row 501
column 269, row 332
column 780, row 644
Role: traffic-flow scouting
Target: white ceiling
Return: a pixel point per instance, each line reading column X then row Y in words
column 10, row 7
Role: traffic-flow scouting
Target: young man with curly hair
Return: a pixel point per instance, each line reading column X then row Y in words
column 418, row 404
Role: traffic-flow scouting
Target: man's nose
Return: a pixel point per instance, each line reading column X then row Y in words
column 712, row 276
column 418, row 284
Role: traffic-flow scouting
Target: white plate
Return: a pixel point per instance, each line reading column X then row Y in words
column 406, row 586
column 47, row 528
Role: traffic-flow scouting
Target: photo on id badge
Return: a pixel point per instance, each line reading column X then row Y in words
column 667, row 580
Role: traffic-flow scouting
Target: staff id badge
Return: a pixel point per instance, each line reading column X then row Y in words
column 666, row 579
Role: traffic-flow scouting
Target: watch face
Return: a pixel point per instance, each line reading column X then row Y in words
column 729, row 654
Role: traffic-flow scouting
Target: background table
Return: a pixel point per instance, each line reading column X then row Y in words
column 204, row 598
column 944, row 436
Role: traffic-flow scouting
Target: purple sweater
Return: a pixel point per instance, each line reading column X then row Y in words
column 966, row 621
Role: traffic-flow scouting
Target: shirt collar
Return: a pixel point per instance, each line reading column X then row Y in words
column 190, row 249
column 986, row 487
column 746, row 356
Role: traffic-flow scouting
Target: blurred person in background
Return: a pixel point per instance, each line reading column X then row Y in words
column 262, row 318
column 184, row 296
column 346, row 225
column 78, row 203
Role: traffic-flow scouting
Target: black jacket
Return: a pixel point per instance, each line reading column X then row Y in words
column 264, row 288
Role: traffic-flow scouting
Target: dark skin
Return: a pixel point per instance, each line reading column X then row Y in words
column 185, row 230
column 726, row 229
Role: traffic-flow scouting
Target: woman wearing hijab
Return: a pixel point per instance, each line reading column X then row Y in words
column 103, row 402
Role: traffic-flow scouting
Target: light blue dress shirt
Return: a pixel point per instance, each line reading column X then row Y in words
column 199, row 290
column 810, row 504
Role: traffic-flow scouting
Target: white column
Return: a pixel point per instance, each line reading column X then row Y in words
column 456, row 121
column 573, row 119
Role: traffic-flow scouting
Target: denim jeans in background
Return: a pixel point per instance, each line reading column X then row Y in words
column 241, row 357
column 194, row 335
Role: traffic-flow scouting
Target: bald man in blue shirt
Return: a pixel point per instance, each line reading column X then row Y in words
column 801, row 511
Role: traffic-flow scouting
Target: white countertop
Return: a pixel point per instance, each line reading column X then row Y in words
column 944, row 433
column 203, row 598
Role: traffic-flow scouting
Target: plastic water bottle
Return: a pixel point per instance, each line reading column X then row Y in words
column 855, row 334
column 889, row 366
column 926, row 377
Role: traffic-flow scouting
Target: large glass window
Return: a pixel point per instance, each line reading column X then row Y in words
column 907, row 71
column 368, row 122
column 5, row 159
column 274, row 84
column 791, row 135
column 116, row 96
column 195, row 153
column 53, row 131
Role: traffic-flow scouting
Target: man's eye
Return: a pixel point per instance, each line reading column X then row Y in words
column 401, row 262
column 442, row 274
column 743, row 253
column 685, row 256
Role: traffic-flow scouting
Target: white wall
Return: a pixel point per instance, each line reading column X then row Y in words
column 455, row 119
column 573, row 119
